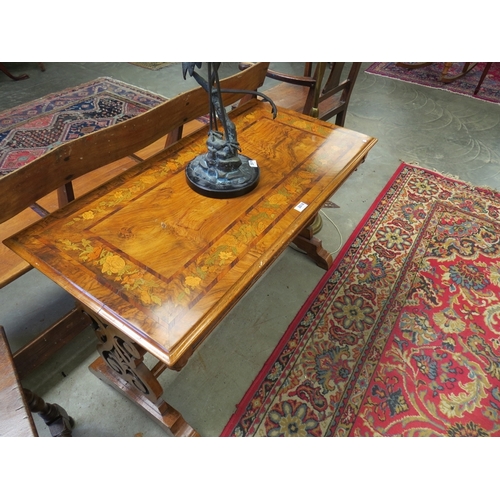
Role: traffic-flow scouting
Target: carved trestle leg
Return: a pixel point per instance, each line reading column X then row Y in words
column 313, row 246
column 121, row 366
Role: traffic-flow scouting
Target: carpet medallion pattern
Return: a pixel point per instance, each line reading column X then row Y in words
column 402, row 336
column 429, row 76
column 30, row 130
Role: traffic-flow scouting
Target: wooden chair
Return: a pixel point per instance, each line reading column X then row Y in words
column 24, row 187
column 17, row 403
column 321, row 93
column 3, row 69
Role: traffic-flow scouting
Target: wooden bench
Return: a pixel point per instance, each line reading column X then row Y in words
column 17, row 404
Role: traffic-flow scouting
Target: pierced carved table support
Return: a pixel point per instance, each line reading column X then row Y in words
column 121, row 366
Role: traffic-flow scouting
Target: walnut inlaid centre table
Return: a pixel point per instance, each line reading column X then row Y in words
column 157, row 266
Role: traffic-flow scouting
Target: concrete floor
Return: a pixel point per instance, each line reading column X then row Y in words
column 437, row 129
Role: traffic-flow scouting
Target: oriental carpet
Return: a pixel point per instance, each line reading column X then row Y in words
column 429, row 76
column 30, row 130
column 401, row 337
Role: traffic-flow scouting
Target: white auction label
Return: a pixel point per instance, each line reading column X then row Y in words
column 300, row 207
column 253, row 163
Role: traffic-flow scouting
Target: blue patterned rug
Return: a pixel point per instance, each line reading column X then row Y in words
column 30, row 130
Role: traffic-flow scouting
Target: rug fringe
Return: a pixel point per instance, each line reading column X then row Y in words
column 411, row 163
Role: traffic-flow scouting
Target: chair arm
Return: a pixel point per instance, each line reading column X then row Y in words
column 305, row 81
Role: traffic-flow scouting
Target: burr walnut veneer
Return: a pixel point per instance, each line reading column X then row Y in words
column 157, row 266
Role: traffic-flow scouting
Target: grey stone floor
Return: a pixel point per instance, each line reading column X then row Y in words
column 433, row 128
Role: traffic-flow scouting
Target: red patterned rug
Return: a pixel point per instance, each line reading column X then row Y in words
column 429, row 76
column 402, row 336
column 30, row 130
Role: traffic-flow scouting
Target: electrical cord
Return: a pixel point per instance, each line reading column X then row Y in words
column 338, row 231
column 292, row 245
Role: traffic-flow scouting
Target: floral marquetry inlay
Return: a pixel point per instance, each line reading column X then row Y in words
column 151, row 286
column 167, row 263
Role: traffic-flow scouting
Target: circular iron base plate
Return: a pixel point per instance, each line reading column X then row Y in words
column 206, row 182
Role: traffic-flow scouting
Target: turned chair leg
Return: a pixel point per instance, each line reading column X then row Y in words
column 58, row 421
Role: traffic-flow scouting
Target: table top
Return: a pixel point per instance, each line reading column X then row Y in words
column 164, row 264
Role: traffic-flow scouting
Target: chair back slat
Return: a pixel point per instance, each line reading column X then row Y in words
column 322, row 100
